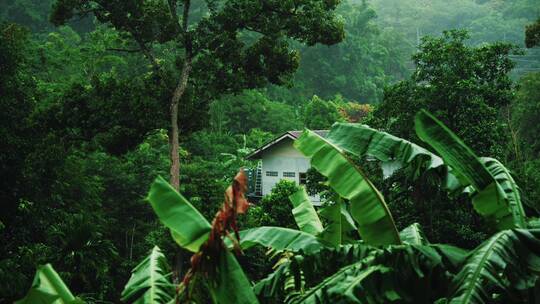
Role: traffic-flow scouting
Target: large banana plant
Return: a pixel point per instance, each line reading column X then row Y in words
column 494, row 192
column 363, row 274
column 505, row 266
column 367, row 206
column 495, row 195
column 190, row 230
column 503, row 269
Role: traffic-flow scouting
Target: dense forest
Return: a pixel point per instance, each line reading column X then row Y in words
column 111, row 110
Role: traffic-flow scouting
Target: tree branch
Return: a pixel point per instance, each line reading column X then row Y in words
column 185, row 23
column 174, row 15
column 145, row 50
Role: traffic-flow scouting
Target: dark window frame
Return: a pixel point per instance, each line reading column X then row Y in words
column 289, row 174
column 272, row 173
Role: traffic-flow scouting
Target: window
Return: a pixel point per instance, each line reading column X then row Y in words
column 271, row 173
column 289, row 174
column 303, row 178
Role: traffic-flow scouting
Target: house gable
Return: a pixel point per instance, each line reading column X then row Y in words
column 280, row 160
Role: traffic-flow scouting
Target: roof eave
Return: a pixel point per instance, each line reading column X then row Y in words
column 257, row 154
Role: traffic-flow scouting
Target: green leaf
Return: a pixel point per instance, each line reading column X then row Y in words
column 149, row 282
column 403, row 273
column 361, row 140
column 490, row 199
column 375, row 223
column 304, row 213
column 232, row 286
column 279, row 238
column 509, row 252
column 339, row 224
column 509, row 187
column 332, row 233
column 188, row 227
column 413, row 235
column 48, row 288
column 453, row 257
column 344, row 282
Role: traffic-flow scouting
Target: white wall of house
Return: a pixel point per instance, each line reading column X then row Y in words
column 280, row 162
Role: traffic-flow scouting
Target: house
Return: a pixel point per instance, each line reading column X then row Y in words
column 280, row 160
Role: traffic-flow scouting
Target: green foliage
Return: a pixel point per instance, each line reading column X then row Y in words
column 464, row 86
column 506, row 263
column 375, row 223
column 532, row 34
column 340, row 227
column 487, row 20
column 502, row 269
column 525, row 147
column 394, row 152
column 304, row 213
column 413, row 235
column 191, row 231
column 526, row 112
column 48, row 287
column 276, row 206
column 188, row 227
column 496, row 197
column 320, row 114
column 241, row 45
column 231, row 285
column 35, row 14
column 83, row 128
column 251, row 109
column 17, row 88
column 358, row 68
column 149, row 282
column 279, row 238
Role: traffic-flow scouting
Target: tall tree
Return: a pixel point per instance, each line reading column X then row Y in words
column 466, row 86
column 218, row 46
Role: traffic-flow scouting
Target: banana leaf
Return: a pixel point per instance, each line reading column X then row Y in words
column 392, row 151
column 413, row 235
column 339, row 224
column 48, row 288
column 332, row 233
column 490, row 199
column 231, row 285
column 188, row 227
column 508, row 185
column 150, row 282
column 344, row 282
column 506, row 263
column 367, row 207
column 278, row 238
column 304, row 213
column 394, row 274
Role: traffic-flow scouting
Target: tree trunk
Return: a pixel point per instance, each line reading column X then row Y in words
column 173, row 139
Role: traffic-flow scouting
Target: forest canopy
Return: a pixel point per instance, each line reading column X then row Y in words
column 433, row 108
